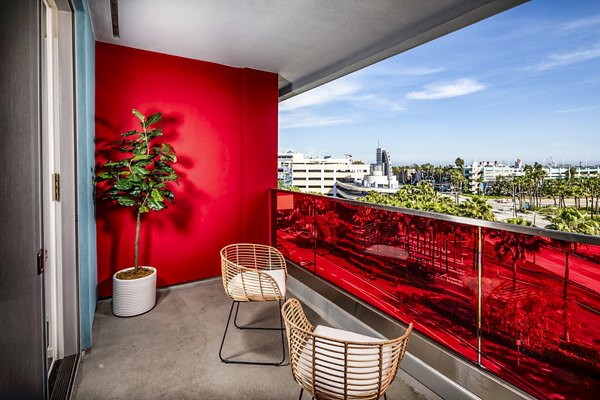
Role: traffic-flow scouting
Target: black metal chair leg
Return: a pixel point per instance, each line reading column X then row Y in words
column 301, row 392
column 225, row 333
column 252, row 327
column 229, row 361
column 281, row 324
column 385, row 396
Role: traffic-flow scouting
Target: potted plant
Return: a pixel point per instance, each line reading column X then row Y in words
column 140, row 180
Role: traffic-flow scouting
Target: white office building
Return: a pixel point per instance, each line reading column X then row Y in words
column 490, row 170
column 380, row 174
column 317, row 174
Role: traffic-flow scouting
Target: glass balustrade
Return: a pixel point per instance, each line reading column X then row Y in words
column 523, row 303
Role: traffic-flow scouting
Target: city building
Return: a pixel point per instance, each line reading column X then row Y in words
column 380, row 174
column 563, row 171
column 317, row 174
column 379, row 179
column 481, row 174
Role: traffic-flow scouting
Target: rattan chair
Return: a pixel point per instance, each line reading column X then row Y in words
column 253, row 272
column 333, row 364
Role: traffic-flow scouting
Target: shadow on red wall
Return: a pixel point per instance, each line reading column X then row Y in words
column 217, row 118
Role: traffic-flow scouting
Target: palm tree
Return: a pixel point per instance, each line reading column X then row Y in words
column 479, row 186
column 568, row 248
column 477, row 207
column 458, row 182
column 518, row 221
column 515, row 246
column 573, row 220
column 538, row 176
column 550, row 188
column 519, row 183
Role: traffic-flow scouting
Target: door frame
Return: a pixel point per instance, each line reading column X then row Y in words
column 59, row 160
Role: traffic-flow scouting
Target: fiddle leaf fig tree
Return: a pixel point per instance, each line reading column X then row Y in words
column 142, row 176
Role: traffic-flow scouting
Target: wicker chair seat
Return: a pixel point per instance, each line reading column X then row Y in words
column 362, row 363
column 336, row 364
column 258, row 285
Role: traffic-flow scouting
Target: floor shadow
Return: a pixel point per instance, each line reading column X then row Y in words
column 161, row 295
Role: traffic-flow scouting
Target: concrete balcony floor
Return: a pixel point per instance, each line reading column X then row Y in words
column 172, row 351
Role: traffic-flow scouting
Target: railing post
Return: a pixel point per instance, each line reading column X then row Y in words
column 314, row 234
column 479, row 290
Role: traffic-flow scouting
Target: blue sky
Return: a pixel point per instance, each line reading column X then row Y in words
column 525, row 83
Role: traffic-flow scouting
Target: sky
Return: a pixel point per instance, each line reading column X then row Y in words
column 522, row 84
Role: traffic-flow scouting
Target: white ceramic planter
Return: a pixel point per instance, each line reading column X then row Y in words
column 134, row 296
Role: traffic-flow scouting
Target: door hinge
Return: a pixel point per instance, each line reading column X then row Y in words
column 56, row 187
column 42, row 255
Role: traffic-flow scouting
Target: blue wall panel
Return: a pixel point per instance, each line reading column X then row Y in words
column 85, row 90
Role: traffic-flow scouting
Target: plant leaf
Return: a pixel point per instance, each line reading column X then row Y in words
column 154, row 118
column 103, row 176
column 123, row 184
column 155, row 205
column 139, row 115
column 126, row 201
column 139, row 170
column 156, row 195
column 129, row 133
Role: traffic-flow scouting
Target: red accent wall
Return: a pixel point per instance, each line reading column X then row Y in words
column 222, row 122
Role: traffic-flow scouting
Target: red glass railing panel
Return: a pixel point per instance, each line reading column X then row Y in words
column 539, row 320
column 416, row 269
column 540, row 314
column 295, row 227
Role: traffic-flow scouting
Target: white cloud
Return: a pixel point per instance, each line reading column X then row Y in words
column 331, row 92
column 377, row 102
column 581, row 22
column 388, row 70
column 350, row 92
column 564, row 59
column 418, row 71
column 436, row 91
column 308, row 120
column 577, row 109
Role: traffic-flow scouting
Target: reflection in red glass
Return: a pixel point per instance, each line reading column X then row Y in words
column 540, row 314
column 540, row 321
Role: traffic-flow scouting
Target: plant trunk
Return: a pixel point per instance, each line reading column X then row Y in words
column 138, row 225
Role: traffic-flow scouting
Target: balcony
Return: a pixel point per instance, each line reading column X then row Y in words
column 500, row 311
column 492, row 304
column 172, row 352
column 517, row 303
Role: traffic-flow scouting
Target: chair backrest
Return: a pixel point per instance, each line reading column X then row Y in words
column 253, row 272
column 331, row 368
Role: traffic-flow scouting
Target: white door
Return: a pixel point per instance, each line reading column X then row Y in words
column 58, row 173
column 50, row 206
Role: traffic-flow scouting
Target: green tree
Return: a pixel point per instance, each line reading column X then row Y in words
column 459, row 182
column 502, row 186
column 140, row 179
column 519, row 221
column 573, row 220
column 477, row 207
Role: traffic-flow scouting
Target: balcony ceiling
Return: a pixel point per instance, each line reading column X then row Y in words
column 307, row 42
